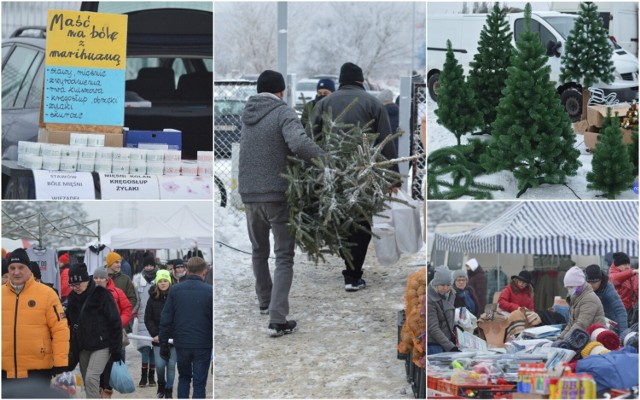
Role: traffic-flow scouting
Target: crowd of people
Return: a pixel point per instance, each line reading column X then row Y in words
column 46, row 333
column 594, row 297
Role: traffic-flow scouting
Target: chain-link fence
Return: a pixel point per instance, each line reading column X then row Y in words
column 229, row 100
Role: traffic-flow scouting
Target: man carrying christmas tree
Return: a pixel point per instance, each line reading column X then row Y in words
column 270, row 133
column 367, row 110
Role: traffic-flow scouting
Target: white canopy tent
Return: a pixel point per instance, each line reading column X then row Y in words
column 195, row 230
column 151, row 234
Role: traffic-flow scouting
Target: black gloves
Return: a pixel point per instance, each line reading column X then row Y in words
column 116, row 356
column 165, row 351
column 455, row 348
column 58, row 370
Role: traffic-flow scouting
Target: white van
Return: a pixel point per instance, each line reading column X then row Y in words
column 553, row 27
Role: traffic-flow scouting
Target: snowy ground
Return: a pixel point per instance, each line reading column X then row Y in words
column 439, row 137
column 345, row 345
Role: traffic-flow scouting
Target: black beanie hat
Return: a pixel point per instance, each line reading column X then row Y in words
column 271, row 82
column 593, row 273
column 618, row 259
column 78, row 273
column 349, row 72
column 148, row 260
column 35, row 270
column 19, row 256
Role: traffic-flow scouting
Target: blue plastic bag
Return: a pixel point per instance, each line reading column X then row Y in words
column 120, row 378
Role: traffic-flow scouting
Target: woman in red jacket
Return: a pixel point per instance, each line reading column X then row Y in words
column 518, row 293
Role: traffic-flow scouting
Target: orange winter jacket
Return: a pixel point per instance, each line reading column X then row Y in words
column 35, row 334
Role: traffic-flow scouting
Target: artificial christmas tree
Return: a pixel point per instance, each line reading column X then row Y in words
column 612, row 170
column 348, row 184
column 456, row 106
column 633, row 149
column 532, row 134
column 489, row 66
column 587, row 55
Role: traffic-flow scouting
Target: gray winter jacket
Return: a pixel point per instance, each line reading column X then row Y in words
column 368, row 108
column 270, row 133
column 440, row 318
column 585, row 310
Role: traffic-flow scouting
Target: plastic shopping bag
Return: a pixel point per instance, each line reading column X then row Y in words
column 385, row 242
column 406, row 220
column 120, row 378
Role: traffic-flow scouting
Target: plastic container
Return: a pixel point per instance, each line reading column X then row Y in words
column 70, row 151
column 104, row 153
column 155, row 168
column 86, row 164
column 103, row 165
column 205, row 156
column 172, row 156
column 51, row 150
column 155, row 155
column 51, row 163
column 78, row 139
column 29, row 148
column 32, row 161
column 138, row 154
column 120, row 166
column 138, row 167
column 69, row 164
column 121, row 153
column 172, row 168
column 95, row 140
column 205, row 168
column 188, row 168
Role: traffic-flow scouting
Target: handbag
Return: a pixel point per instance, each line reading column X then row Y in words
column 74, row 337
column 120, row 379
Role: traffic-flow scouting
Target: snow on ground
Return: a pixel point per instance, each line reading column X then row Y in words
column 345, row 344
column 439, row 137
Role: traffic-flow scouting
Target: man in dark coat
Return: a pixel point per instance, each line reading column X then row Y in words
column 187, row 317
column 478, row 281
column 365, row 110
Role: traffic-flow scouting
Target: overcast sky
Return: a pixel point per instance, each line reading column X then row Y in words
column 456, row 7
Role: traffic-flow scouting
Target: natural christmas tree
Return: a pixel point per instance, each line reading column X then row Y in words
column 489, row 66
column 612, row 170
column 451, row 173
column 532, row 134
column 349, row 184
column 633, row 149
column 587, row 55
column 456, row 107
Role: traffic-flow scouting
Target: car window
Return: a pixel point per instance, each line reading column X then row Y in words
column 17, row 76
column 223, row 107
column 543, row 33
column 306, row 86
column 35, row 94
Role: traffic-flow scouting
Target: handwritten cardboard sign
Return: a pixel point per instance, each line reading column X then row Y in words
column 58, row 185
column 85, row 68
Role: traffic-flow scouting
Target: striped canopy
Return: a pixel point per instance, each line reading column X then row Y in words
column 553, row 228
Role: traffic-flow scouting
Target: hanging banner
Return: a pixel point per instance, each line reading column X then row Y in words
column 85, row 68
column 58, row 185
column 185, row 187
column 128, row 187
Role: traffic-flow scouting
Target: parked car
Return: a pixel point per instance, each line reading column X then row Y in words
column 230, row 98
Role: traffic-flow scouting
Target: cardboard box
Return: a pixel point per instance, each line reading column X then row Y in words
column 596, row 114
column 591, row 137
column 63, row 137
column 171, row 137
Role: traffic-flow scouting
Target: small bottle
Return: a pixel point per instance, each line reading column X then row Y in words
column 553, row 388
column 589, row 385
column 574, row 387
column 526, row 379
column 520, row 376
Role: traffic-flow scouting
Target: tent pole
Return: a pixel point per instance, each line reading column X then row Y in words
column 498, row 273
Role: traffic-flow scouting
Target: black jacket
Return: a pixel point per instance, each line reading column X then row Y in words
column 100, row 326
column 153, row 311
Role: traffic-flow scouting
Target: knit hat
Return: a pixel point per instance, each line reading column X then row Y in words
column 599, row 333
column 620, row 259
column 349, row 73
column 35, row 270
column 196, row 264
column 326, row 83
column 593, row 348
column 524, row 276
column 473, row 264
column 163, row 274
column 271, row 82
column 442, row 276
column 577, row 339
column 178, row 263
column 148, row 260
column 78, row 273
column 459, row 273
column 112, row 257
column 19, row 256
column 630, row 336
column 64, row 259
column 385, row 96
column 574, row 277
column 593, row 273
column 101, row 273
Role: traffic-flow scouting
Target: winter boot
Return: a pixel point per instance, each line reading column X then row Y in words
column 107, row 393
column 143, row 378
column 160, row 392
column 152, row 375
column 167, row 393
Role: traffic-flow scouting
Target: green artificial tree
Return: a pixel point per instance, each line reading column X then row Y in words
column 456, row 107
column 451, row 173
column 347, row 185
column 612, row 169
column 587, row 57
column 489, row 66
column 532, row 134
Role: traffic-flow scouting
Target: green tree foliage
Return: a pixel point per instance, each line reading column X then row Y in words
column 633, row 149
column 346, row 186
column 532, row 134
column 612, row 169
column 456, row 106
column 587, row 56
column 489, row 66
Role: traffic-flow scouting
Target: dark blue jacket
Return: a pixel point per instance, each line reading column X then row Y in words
column 187, row 316
column 613, row 307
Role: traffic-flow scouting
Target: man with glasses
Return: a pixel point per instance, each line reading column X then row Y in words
column 440, row 313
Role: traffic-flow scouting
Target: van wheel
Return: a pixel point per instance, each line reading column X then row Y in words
column 434, row 84
column 572, row 101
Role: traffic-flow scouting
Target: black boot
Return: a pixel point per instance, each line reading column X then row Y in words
column 152, row 375
column 167, row 393
column 160, row 393
column 143, row 378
